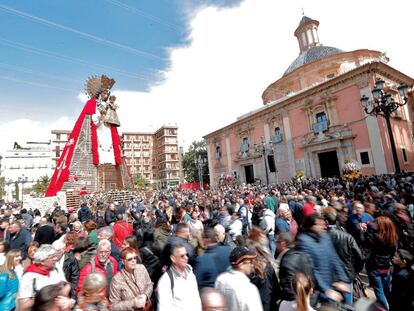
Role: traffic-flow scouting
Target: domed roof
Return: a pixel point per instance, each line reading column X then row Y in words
column 311, row 55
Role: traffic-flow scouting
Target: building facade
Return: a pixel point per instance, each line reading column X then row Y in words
column 23, row 166
column 166, row 163
column 138, row 153
column 312, row 119
column 153, row 156
column 59, row 140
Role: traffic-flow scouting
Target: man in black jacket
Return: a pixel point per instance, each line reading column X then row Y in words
column 292, row 262
column 345, row 246
column 110, row 214
column 67, row 265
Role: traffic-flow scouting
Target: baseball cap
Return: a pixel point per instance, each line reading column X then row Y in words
column 240, row 253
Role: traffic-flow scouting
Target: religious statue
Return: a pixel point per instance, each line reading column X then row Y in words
column 93, row 150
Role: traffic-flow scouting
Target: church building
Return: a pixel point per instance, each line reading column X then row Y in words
column 313, row 121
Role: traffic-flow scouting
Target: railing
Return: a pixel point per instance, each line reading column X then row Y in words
column 277, row 138
column 250, row 154
column 333, row 132
column 244, row 147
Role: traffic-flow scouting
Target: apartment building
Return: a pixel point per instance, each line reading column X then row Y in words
column 137, row 147
column 59, row 140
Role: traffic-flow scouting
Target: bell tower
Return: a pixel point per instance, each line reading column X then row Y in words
column 307, row 34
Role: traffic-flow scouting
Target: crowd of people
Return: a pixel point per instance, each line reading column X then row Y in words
column 302, row 245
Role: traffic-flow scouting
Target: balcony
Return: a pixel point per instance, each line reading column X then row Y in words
column 320, row 126
column 244, row 147
column 249, row 154
column 335, row 132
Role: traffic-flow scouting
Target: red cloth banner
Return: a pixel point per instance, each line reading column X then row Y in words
column 116, row 143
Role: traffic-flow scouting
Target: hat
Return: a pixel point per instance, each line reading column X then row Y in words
column 239, row 253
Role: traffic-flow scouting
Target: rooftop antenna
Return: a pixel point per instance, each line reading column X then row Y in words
column 303, row 12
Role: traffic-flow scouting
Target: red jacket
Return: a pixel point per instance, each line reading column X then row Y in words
column 308, row 209
column 87, row 269
column 122, row 229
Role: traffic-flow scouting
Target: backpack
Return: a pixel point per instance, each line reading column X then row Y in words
column 170, row 275
column 84, row 214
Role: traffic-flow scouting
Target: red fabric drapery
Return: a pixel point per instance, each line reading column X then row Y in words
column 62, row 172
column 116, row 143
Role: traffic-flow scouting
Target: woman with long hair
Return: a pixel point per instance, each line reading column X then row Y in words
column 70, row 240
column 4, row 248
column 9, row 281
column 303, row 287
column 264, row 275
column 382, row 241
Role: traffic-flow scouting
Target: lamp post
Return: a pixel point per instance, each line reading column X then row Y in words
column 383, row 104
column 263, row 151
column 168, row 171
column 200, row 162
column 22, row 179
column 9, row 192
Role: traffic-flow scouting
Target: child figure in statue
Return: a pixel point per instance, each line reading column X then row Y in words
column 111, row 114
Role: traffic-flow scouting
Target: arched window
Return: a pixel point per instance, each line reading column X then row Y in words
column 218, row 152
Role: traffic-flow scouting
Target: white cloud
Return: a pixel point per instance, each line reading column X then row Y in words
column 235, row 53
column 24, row 130
column 82, row 97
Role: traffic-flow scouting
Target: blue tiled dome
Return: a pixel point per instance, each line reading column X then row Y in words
column 313, row 54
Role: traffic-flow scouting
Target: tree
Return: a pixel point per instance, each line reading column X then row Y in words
column 2, row 186
column 190, row 168
column 140, row 181
column 41, row 184
column 16, row 191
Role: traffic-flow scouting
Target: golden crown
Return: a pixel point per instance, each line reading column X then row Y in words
column 106, row 82
column 95, row 85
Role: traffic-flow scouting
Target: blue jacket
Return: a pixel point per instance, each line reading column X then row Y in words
column 8, row 289
column 327, row 267
column 352, row 225
column 20, row 241
column 208, row 266
column 281, row 225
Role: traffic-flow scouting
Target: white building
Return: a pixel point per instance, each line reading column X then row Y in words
column 59, row 140
column 25, row 165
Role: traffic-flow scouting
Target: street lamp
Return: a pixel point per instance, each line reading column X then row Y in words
column 263, row 151
column 200, row 162
column 384, row 105
column 9, row 192
column 168, row 171
column 22, row 179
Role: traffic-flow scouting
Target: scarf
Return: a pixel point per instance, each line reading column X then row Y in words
column 37, row 269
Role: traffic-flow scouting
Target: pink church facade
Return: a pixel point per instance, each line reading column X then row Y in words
column 312, row 119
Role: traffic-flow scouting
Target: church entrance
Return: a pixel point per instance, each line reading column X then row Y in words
column 328, row 162
column 249, row 173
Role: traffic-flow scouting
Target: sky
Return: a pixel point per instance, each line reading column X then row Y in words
column 197, row 64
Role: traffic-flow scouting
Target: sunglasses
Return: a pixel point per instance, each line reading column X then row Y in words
column 131, row 259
